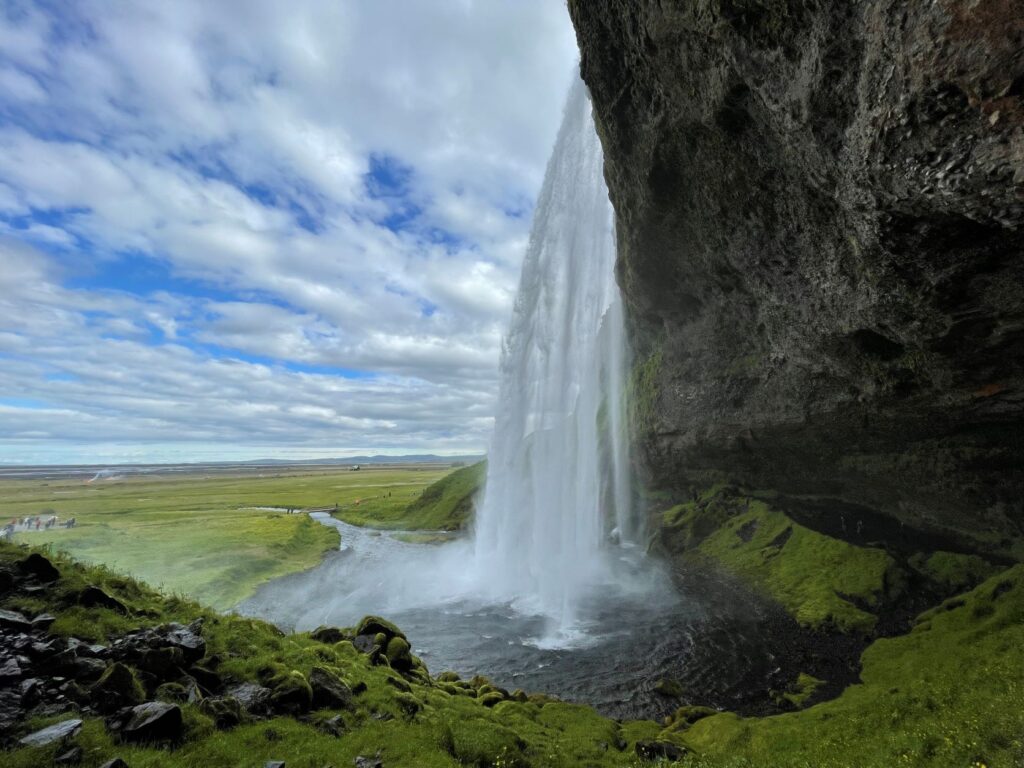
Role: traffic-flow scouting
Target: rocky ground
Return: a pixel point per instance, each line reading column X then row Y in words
column 96, row 669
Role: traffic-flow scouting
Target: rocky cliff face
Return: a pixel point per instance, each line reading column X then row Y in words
column 821, row 234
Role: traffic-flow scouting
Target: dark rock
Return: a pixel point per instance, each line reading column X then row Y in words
column 329, row 635
column 62, row 664
column 11, row 704
column 659, row 750
column 274, row 764
column 365, row 643
column 819, row 214
column 117, row 762
column 329, row 691
column 290, row 693
column 65, row 729
column 164, row 663
column 255, row 699
column 15, row 621
column 225, row 710
column 188, row 639
column 89, row 669
column 30, row 691
column 154, row 721
column 94, row 597
column 368, row 762
column 334, row 726
column 74, row 692
column 116, row 688
column 72, row 757
column 38, row 566
column 10, row 671
column 40, row 650
column 173, row 692
column 43, row 621
column 208, row 680
column 359, row 688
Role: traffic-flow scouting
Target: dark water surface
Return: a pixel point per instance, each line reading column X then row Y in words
column 644, row 627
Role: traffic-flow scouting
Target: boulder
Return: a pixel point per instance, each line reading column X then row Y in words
column 290, row 693
column 30, row 690
column 329, row 691
column 38, row 566
column 368, row 762
column 43, row 621
column 164, row 663
column 14, row 621
column 10, row 671
column 399, row 654
column 154, row 721
column 208, row 680
column 89, row 669
column 116, row 688
column 371, row 625
column 117, row 762
column 65, row 729
column 226, row 711
column 94, row 597
column 329, row 635
column 255, row 699
column 188, row 639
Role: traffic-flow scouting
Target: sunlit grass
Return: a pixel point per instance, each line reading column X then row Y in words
column 204, row 536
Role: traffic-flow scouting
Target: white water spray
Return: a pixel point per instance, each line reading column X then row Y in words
column 558, row 493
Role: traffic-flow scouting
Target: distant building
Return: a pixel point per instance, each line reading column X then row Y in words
column 354, row 468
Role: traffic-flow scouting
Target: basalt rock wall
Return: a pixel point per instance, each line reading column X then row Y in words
column 821, row 244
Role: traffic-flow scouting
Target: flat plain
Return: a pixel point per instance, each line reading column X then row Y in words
column 212, row 535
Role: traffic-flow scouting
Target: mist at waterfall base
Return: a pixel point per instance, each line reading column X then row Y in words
column 553, row 592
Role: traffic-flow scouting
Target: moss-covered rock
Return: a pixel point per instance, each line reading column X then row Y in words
column 399, row 654
column 290, row 693
column 373, row 625
column 225, row 711
column 117, row 687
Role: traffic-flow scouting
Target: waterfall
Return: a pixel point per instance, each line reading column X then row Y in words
column 558, row 497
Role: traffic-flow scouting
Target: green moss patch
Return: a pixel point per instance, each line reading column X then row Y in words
column 823, row 582
column 448, row 503
column 953, row 572
column 950, row 693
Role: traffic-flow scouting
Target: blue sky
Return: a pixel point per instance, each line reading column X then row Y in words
column 243, row 229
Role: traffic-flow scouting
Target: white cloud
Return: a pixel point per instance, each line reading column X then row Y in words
column 226, row 145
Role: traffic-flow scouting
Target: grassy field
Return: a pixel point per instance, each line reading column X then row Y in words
column 203, row 535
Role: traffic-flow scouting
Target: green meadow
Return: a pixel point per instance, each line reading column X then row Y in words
column 204, row 535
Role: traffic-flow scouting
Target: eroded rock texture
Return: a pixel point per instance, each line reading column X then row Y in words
column 821, row 227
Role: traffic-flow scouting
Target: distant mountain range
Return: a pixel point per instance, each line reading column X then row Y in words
column 98, row 471
column 422, row 458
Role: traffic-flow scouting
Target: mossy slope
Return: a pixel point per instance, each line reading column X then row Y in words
column 411, row 719
column 823, row 582
column 448, row 503
column 949, row 693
